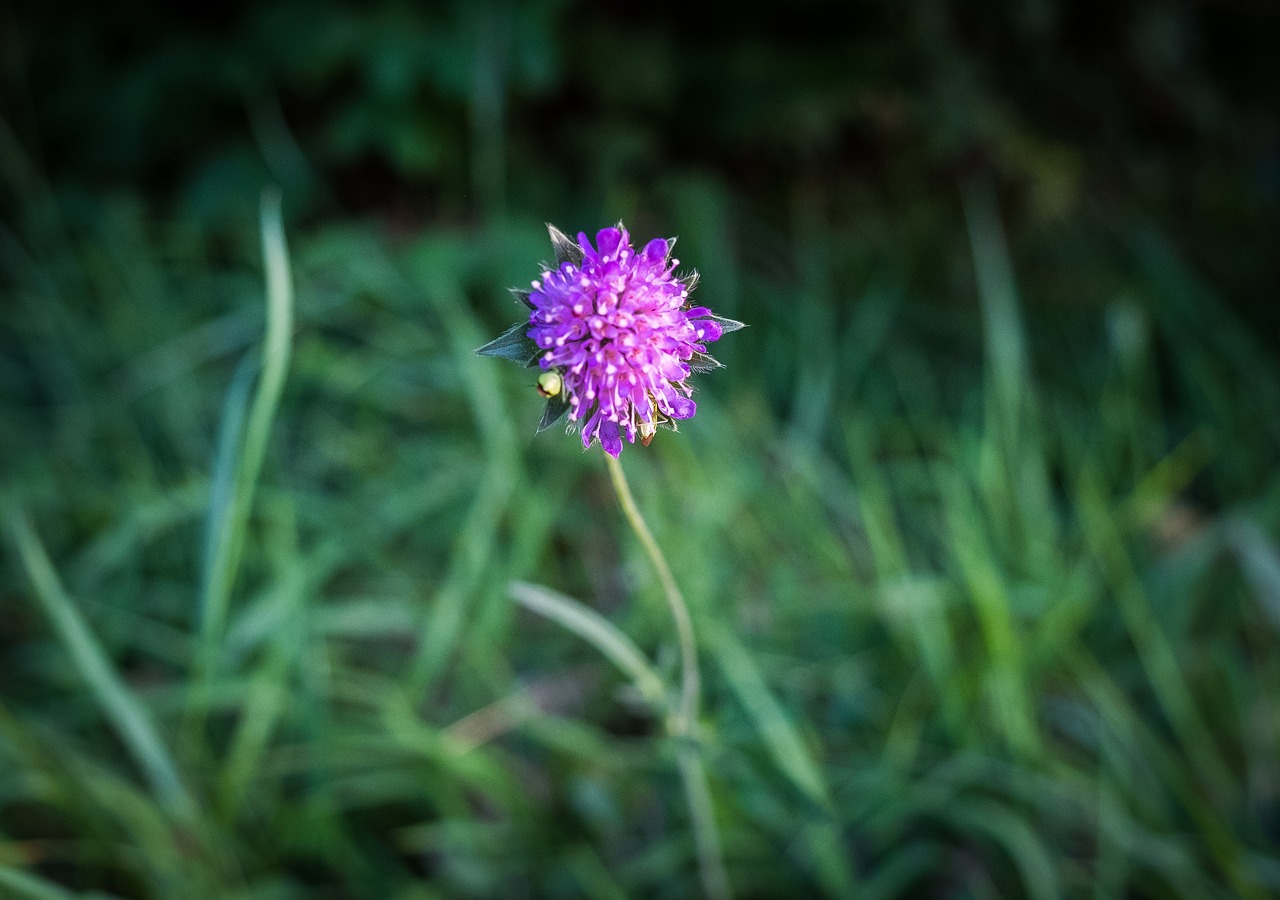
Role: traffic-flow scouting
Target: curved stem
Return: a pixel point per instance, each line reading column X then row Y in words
column 684, row 724
column 691, row 681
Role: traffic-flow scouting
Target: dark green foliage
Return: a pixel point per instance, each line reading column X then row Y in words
column 978, row 521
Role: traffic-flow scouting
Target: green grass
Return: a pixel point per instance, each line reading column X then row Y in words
column 995, row 620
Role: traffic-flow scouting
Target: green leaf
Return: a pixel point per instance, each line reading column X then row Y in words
column 566, row 249
column 512, row 344
column 556, row 407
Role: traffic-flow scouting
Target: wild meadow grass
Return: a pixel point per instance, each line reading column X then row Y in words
column 992, row 615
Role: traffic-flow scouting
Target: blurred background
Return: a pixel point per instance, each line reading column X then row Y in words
column 979, row 523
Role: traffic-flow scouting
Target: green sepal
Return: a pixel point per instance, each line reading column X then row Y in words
column 728, row 325
column 523, row 296
column 556, row 407
column 566, row 249
column 702, row 362
column 512, row 344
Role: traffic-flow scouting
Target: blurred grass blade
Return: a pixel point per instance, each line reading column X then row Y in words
column 1157, row 649
column 19, row 885
column 1010, row 694
column 775, row 727
column 126, row 713
column 592, row 875
column 901, row 867
column 1260, row 562
column 235, row 409
column 444, row 627
column 1005, row 345
column 711, row 870
column 1018, row 839
column 596, row 630
column 783, row 741
column 228, row 518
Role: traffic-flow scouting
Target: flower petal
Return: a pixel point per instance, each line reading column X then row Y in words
column 656, row 251
column 609, row 438
column 683, row 408
column 707, row 330
column 608, row 241
column 589, row 429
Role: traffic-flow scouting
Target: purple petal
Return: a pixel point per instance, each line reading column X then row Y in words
column 589, row 429
column 609, row 438
column 683, row 408
column 708, row 330
column 656, row 250
column 608, row 241
column 673, row 369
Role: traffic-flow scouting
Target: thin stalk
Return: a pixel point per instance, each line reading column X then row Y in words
column 691, row 680
column 683, row 725
column 715, row 879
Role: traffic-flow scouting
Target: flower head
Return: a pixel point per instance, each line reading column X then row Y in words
column 614, row 326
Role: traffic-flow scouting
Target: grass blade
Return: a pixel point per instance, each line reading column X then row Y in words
column 24, row 886
column 122, row 708
column 771, row 721
column 1016, row 837
column 228, row 521
column 1005, row 343
column 444, row 627
column 596, row 630
column 782, row 739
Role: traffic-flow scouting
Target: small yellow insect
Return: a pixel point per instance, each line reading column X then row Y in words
column 550, row 384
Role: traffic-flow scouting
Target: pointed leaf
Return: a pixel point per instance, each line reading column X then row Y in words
column 729, row 324
column 523, row 296
column 556, row 407
column 702, row 362
column 566, row 249
column 513, row 344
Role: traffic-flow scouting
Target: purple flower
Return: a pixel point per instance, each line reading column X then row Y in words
column 612, row 330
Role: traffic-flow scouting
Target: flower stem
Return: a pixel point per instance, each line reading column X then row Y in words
column 691, row 681
column 715, row 879
column 684, row 723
